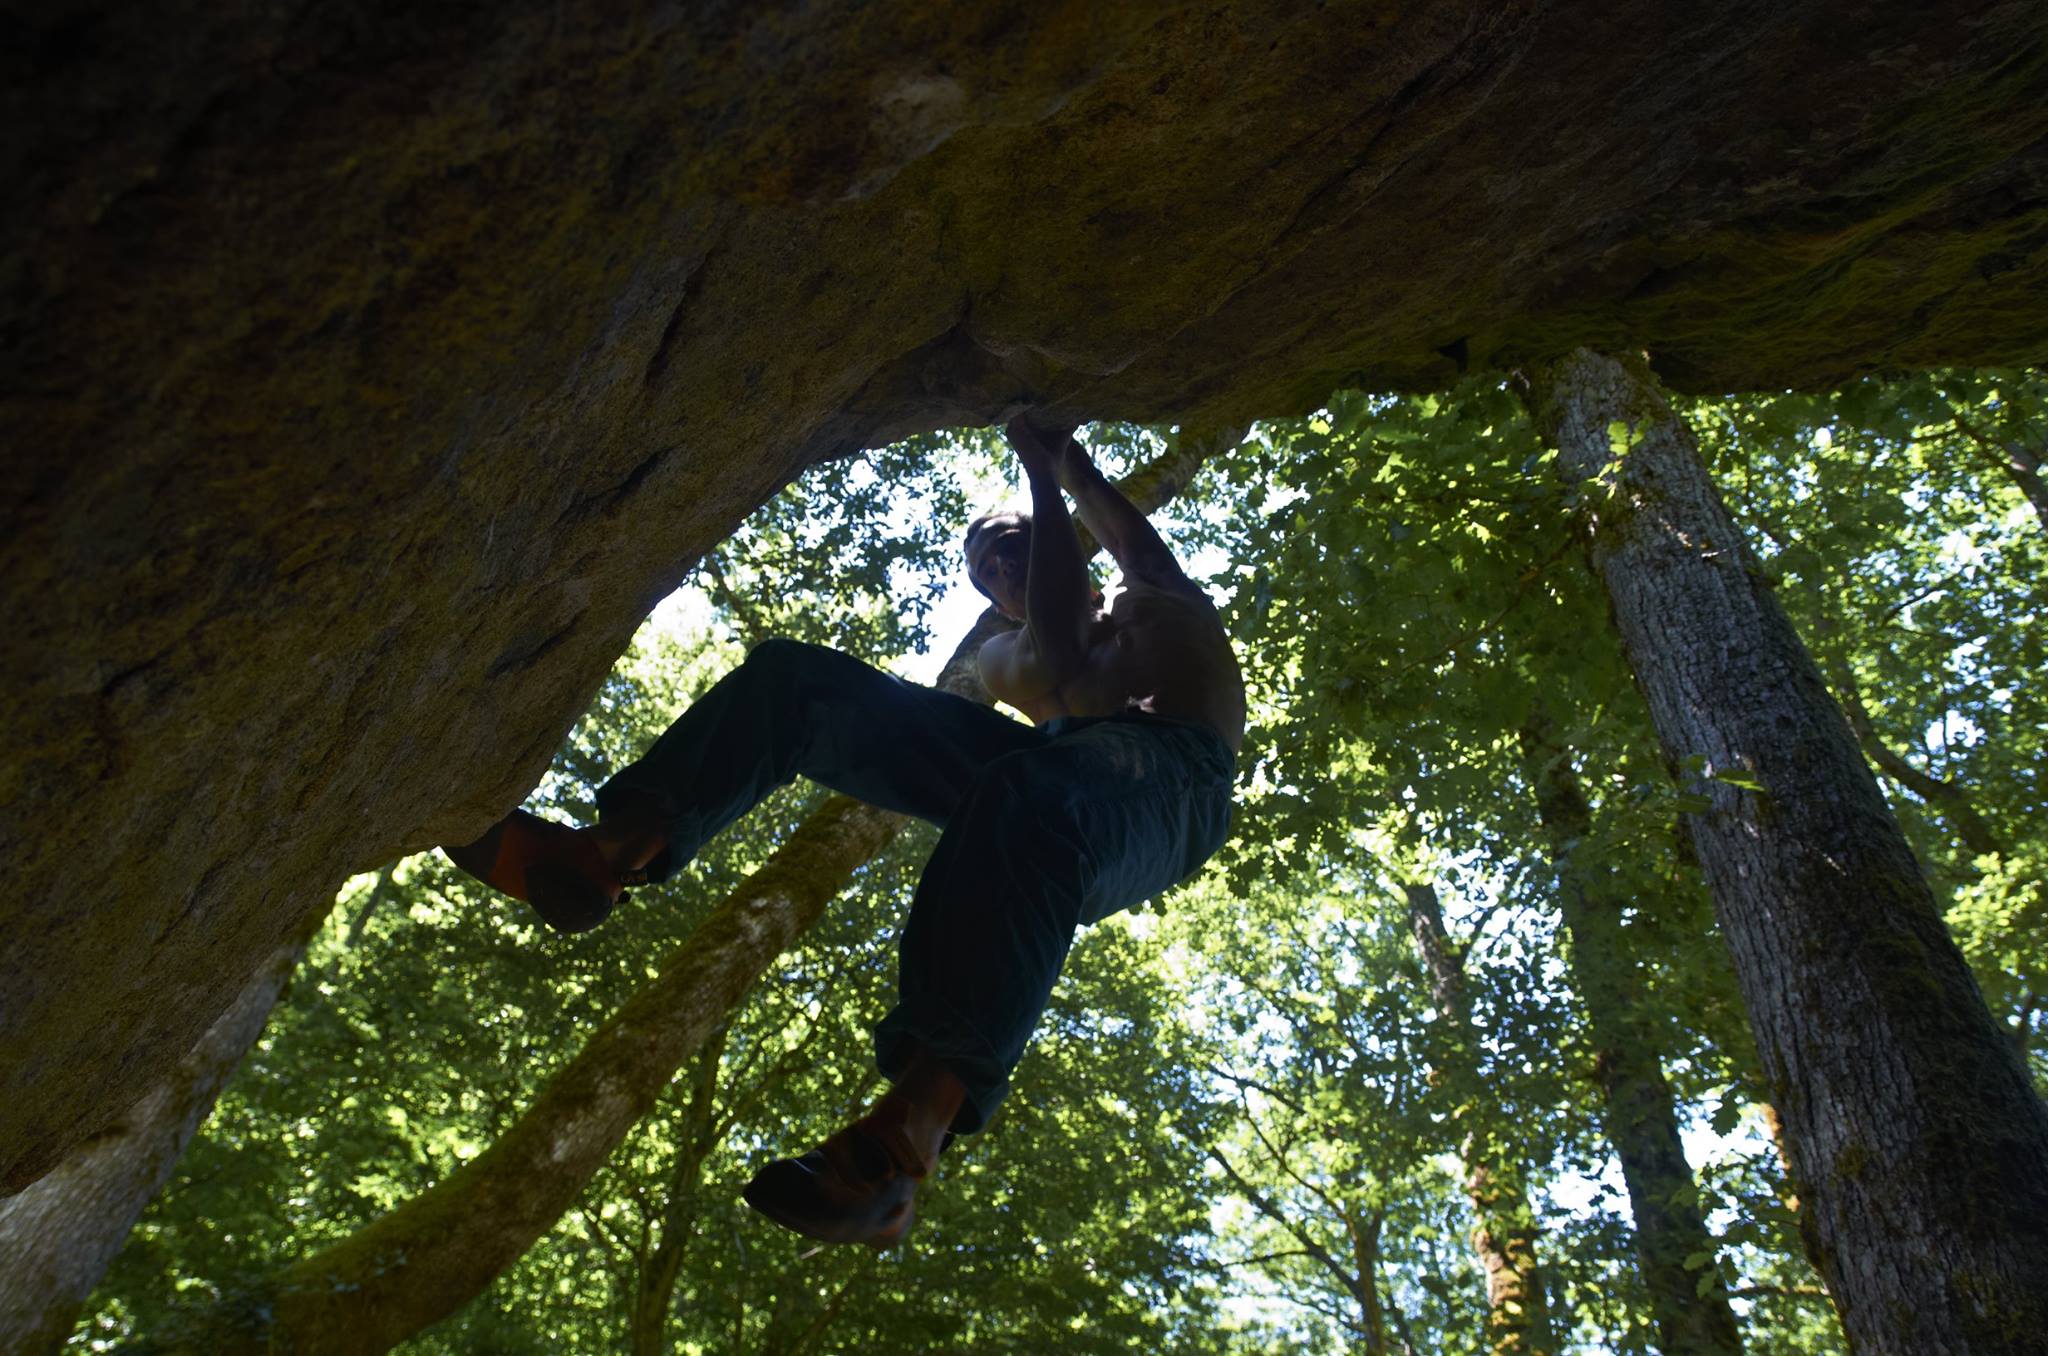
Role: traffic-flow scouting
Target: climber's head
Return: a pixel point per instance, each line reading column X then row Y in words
column 998, row 548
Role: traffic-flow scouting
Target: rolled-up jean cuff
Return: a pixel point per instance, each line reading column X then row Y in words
column 930, row 1025
column 664, row 863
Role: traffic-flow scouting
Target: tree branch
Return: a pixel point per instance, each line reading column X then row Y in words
column 752, row 629
column 1949, row 799
column 2017, row 461
column 1265, row 1206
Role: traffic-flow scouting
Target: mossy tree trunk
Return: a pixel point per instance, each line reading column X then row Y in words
column 58, row 1236
column 431, row 1255
column 1920, row 1153
column 1676, row 1254
column 1517, row 1310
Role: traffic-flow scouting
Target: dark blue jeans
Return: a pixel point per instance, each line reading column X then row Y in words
column 1046, row 828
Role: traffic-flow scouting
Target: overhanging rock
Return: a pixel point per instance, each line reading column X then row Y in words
column 370, row 369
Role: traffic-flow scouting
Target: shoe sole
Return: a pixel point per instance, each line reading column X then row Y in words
column 565, row 898
column 798, row 1224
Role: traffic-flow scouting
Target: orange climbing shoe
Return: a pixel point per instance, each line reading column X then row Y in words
column 854, row 1188
column 557, row 869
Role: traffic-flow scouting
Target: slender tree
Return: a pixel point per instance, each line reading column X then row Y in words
column 655, row 1284
column 1517, row 1310
column 1676, row 1254
column 1920, row 1151
column 1356, row 1271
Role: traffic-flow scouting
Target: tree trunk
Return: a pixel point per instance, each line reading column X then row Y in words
column 699, row 1134
column 1365, row 1262
column 427, row 1257
column 1688, row 1297
column 1920, row 1152
column 59, row 1235
column 1517, row 1314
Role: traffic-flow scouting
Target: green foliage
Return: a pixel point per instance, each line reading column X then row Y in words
column 1248, row 1123
column 864, row 577
column 1426, row 600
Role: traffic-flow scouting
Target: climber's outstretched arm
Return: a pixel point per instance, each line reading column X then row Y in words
column 1124, row 532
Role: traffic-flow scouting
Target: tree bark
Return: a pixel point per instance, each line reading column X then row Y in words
column 59, row 1235
column 1676, row 1254
column 1365, row 1262
column 1920, row 1152
column 430, row 1255
column 1517, row 1311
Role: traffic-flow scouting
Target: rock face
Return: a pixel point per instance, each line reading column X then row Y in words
column 370, row 369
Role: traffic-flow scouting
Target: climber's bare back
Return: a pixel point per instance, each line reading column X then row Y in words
column 1155, row 649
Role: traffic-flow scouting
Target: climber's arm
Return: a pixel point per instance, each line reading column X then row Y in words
column 1124, row 532
column 1052, row 648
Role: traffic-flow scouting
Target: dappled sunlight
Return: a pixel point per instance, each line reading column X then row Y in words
column 1354, row 1082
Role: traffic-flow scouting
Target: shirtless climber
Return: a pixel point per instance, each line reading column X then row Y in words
column 1119, row 789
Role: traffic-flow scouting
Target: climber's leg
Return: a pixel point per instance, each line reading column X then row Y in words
column 791, row 709
column 859, row 1186
column 563, row 872
column 802, row 710
column 1107, row 814
column 1103, row 815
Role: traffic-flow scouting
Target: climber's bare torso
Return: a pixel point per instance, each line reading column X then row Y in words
column 1154, row 648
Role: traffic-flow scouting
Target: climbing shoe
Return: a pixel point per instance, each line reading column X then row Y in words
column 856, row 1187
column 557, row 869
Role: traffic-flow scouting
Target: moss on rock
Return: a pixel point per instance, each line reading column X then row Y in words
column 372, row 369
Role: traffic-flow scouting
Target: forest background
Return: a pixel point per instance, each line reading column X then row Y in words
column 1442, row 1053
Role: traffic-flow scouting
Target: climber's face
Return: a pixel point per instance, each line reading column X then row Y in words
column 999, row 558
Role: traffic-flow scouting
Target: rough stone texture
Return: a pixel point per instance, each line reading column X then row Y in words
column 370, row 369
